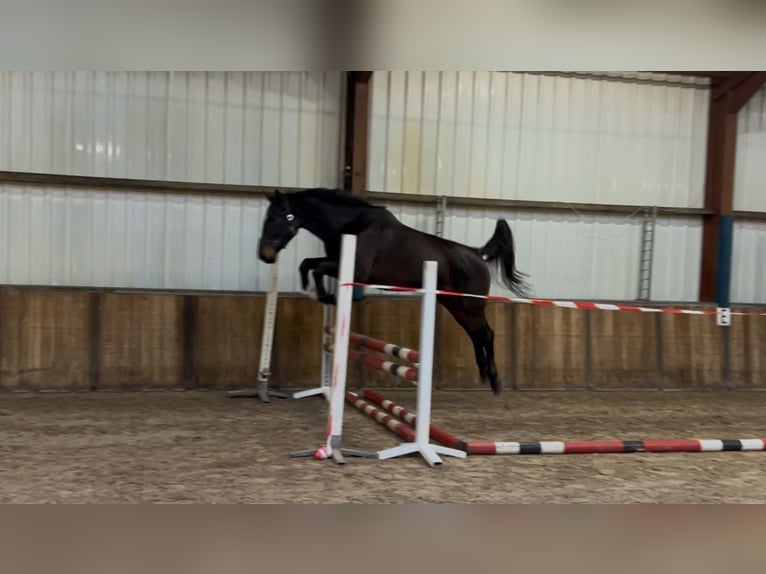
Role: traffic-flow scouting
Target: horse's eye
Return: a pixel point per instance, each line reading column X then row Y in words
column 290, row 217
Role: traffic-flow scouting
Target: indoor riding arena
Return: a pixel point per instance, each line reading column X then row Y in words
column 158, row 343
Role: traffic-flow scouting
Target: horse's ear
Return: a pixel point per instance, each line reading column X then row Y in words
column 274, row 197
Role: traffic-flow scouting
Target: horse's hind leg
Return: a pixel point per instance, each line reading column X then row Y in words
column 489, row 349
column 480, row 354
column 469, row 314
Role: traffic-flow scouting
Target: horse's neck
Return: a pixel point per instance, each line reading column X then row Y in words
column 327, row 222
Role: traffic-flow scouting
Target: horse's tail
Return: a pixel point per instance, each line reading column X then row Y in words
column 500, row 251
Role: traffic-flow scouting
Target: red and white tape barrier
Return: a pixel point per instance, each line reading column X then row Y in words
column 588, row 305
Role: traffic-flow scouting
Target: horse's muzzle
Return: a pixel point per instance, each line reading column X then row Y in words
column 267, row 253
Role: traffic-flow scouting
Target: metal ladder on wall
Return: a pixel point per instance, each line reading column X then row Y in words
column 647, row 253
column 441, row 208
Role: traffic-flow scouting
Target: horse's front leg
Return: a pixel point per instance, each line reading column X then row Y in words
column 326, row 268
column 307, row 265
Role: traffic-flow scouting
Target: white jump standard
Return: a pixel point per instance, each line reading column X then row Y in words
column 429, row 451
column 267, row 339
column 337, row 390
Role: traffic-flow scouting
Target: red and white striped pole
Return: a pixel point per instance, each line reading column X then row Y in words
column 571, row 446
column 402, row 371
column 617, row 446
column 387, row 420
column 587, row 305
column 410, row 355
column 438, row 434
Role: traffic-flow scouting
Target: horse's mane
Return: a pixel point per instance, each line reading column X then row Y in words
column 334, row 197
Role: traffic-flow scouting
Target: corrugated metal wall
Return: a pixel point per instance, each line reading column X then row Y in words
column 575, row 138
column 285, row 129
column 541, row 137
column 133, row 239
column 564, row 255
column 590, row 257
column 750, row 174
column 130, row 239
column 260, row 128
column 748, row 272
column 677, row 259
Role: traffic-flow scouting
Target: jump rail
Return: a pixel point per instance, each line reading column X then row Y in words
column 398, row 351
column 387, row 420
column 573, row 447
column 436, row 433
column 616, row 446
column 402, row 371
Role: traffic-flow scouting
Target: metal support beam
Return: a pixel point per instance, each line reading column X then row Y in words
column 727, row 98
column 747, row 89
column 740, row 87
column 357, row 127
column 719, row 191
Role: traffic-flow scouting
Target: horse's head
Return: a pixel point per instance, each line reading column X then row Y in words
column 279, row 227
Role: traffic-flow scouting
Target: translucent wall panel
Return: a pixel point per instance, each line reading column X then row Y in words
column 539, row 137
column 258, row 128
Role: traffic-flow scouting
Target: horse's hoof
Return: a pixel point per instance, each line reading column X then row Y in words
column 311, row 292
column 497, row 386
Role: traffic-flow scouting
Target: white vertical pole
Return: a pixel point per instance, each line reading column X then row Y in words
column 337, row 391
column 430, row 452
column 267, row 341
column 269, row 321
column 344, row 297
column 425, row 367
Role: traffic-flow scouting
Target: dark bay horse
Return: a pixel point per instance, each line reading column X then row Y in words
column 391, row 253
